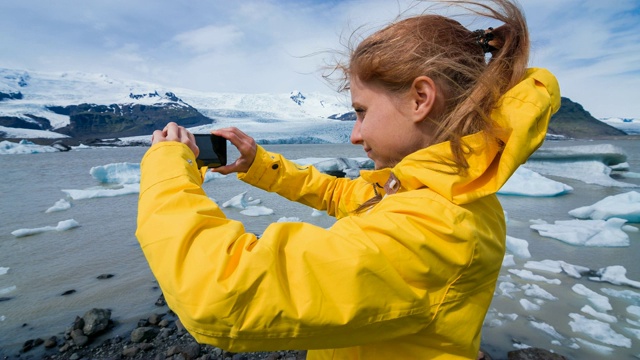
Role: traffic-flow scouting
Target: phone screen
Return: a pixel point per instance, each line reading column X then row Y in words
column 213, row 150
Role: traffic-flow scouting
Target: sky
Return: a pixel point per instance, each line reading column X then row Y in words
column 269, row 46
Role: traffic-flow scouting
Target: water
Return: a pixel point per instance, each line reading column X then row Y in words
column 44, row 266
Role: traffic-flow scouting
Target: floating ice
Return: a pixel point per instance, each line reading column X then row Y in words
column 241, row 201
column 507, row 288
column 634, row 332
column 604, row 350
column 62, row 226
column 623, row 294
column 117, row 173
column 256, row 211
column 616, row 275
column 24, row 147
column 4, row 270
column 599, row 315
column 289, row 219
column 633, row 309
column 100, row 192
column 530, row 183
column 60, row 205
column 599, row 233
column 598, row 330
column 528, row 305
column 625, row 206
column 536, row 291
column 528, row 275
column 7, row 290
column 557, row 266
column 600, row 302
column 316, row 213
column 518, row 247
column 546, row 328
column 508, row 260
column 590, row 164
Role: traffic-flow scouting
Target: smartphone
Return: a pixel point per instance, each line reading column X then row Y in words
column 213, row 150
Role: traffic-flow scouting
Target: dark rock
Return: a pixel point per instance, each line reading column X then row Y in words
column 534, row 354
column 30, row 344
column 5, row 298
column 60, row 146
column 51, row 342
column 154, row 319
column 161, row 301
column 130, row 351
column 104, row 276
column 96, row 320
column 68, row 292
column 143, row 333
column 79, row 338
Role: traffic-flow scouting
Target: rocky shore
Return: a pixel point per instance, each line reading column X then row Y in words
column 162, row 336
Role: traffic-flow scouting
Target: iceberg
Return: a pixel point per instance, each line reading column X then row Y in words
column 624, row 206
column 117, row 173
column 241, row 201
column 24, row 147
column 256, row 211
column 60, row 205
column 598, row 330
column 101, row 192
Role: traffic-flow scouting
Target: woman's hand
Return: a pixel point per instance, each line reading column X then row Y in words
column 174, row 132
column 246, row 146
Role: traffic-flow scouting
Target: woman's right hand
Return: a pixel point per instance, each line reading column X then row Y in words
column 245, row 144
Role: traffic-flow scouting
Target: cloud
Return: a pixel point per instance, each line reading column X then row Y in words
column 592, row 46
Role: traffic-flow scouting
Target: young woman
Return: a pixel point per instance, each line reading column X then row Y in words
column 409, row 268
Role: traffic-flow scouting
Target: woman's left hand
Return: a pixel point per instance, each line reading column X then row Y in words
column 174, row 132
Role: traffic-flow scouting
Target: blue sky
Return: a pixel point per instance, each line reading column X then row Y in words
column 257, row 46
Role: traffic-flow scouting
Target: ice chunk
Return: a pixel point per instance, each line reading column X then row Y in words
column 289, row 219
column 518, row 247
column 62, row 226
column 536, row 291
column 60, row 205
column 625, row 206
column 616, row 275
column 241, row 201
column 117, row 173
column 598, row 330
column 525, row 182
column 528, row 275
column 528, row 305
column 508, row 260
column 598, row 315
column 600, row 302
column 7, row 290
column 4, row 270
column 256, row 211
column 598, row 233
column 100, row 192
column 546, row 328
column 557, row 266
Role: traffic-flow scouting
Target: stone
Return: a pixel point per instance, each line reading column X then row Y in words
column 534, row 354
column 130, row 351
column 141, row 334
column 79, row 338
column 96, row 320
column 51, row 342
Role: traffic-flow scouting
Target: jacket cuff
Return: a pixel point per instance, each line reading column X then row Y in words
column 167, row 160
column 265, row 169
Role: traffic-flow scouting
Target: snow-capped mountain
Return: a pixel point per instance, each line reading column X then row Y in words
column 39, row 104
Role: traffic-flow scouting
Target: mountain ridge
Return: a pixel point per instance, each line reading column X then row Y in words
column 78, row 107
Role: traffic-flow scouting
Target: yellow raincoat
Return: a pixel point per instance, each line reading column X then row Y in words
column 412, row 278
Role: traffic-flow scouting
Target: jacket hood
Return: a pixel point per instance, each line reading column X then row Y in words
column 522, row 118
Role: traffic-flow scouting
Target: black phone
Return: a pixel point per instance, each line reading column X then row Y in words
column 213, row 150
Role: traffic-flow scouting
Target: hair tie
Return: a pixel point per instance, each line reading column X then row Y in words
column 483, row 37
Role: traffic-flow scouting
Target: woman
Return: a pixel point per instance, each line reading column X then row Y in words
column 409, row 268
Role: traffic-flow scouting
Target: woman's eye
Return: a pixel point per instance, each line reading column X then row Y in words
column 359, row 112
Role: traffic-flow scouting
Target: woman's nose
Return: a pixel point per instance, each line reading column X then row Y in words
column 355, row 137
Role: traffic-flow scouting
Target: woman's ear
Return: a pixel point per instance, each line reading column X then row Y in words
column 423, row 97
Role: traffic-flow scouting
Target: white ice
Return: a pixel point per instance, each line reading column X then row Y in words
column 546, row 328
column 615, row 274
column 241, row 201
column 7, row 290
column 598, row 233
column 100, row 192
column 525, row 182
column 528, row 275
column 623, row 294
column 4, row 270
column 600, row 302
column 598, row 330
column 528, row 305
column 599, row 315
column 256, row 211
column 624, row 206
column 289, row 219
column 633, row 309
column 62, row 226
column 518, row 247
column 536, row 291
column 60, row 205
column 557, row 266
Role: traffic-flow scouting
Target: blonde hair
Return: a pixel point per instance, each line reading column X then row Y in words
column 453, row 56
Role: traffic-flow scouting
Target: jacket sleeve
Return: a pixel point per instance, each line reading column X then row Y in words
column 306, row 184
column 298, row 287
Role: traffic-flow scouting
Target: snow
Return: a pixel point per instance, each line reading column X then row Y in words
column 62, row 226
column 630, row 126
